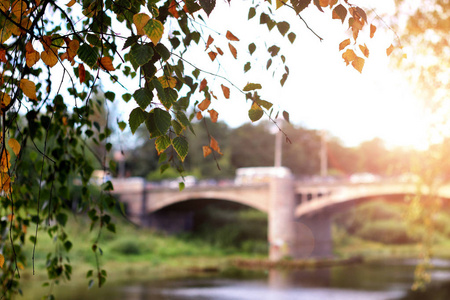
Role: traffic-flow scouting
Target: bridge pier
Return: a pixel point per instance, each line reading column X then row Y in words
column 290, row 237
column 282, row 229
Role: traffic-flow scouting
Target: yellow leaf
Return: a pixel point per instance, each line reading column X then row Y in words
column 168, row 81
column 72, row 49
column 20, row 265
column 71, row 3
column 15, row 146
column 2, row 260
column 28, row 88
column 18, row 8
column 344, row 44
column 140, row 20
column 4, row 5
column 4, row 163
column 32, row 58
column 214, row 115
column 373, row 28
column 204, row 104
column 358, row 64
column 389, row 50
column 214, row 145
column 5, row 182
column 279, row 3
column 5, row 100
column 206, row 151
column 349, row 56
column 364, row 50
column 154, row 29
column 49, row 57
column 106, row 63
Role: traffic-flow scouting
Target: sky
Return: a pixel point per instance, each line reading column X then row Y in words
column 321, row 91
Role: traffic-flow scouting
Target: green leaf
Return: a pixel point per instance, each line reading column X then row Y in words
column 181, row 146
column 88, row 55
column 67, row 245
column 162, row 51
column 208, row 5
column 177, row 127
column 286, row 116
column 170, row 98
column 122, row 125
column 162, row 143
column 255, row 113
column 266, row 104
column 140, row 55
column 251, row 48
column 247, row 67
column 110, row 96
column 158, row 122
column 126, row 97
column 251, row 12
column 154, row 29
column 62, row 218
column 137, row 117
column 130, row 41
column 143, row 97
column 181, row 186
column 283, row 27
column 251, row 87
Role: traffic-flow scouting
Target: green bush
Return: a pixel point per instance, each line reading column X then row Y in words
column 386, row 231
column 127, row 246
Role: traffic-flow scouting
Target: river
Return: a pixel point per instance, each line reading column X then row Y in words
column 386, row 280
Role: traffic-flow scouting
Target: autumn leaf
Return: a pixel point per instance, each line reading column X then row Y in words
column 5, row 100
column 226, row 91
column 2, row 260
column 389, row 50
column 81, row 73
column 15, row 146
column 106, row 63
column 231, row 36
column 206, row 151
column 214, row 115
column 233, row 50
column 349, row 56
column 358, row 63
column 49, row 57
column 72, row 49
column 168, row 81
column 209, row 42
column 251, row 86
column 373, row 28
column 212, row 55
column 3, row 55
column 154, row 29
column 339, row 12
column 344, row 44
column 173, row 9
column 364, row 50
column 31, row 55
column 203, row 84
column 71, row 3
column 219, row 50
column 204, row 104
column 199, row 115
column 4, row 162
column 215, row 146
column 140, row 20
column 28, row 88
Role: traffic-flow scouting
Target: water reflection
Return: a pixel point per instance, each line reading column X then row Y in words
column 382, row 280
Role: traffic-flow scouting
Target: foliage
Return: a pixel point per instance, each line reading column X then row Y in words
column 54, row 58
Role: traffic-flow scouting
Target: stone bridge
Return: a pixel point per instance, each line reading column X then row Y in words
column 299, row 215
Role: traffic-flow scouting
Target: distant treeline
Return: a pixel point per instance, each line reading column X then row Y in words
column 254, row 145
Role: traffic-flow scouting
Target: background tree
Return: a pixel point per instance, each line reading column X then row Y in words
column 53, row 57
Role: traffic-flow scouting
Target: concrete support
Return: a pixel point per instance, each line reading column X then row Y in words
column 314, row 235
column 281, row 234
